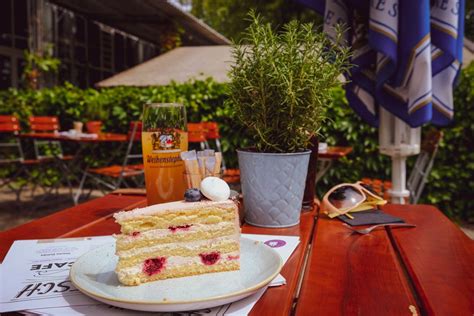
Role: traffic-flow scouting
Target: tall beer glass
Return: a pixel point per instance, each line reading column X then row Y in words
column 164, row 137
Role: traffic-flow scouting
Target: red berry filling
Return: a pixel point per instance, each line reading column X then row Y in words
column 135, row 234
column 210, row 258
column 229, row 257
column 154, row 265
column 182, row 227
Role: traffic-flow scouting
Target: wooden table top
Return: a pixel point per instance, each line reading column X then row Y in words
column 94, row 218
column 101, row 138
column 439, row 258
column 335, row 152
column 428, row 269
column 293, row 269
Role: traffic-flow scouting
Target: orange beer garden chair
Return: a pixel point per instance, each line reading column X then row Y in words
column 11, row 155
column 49, row 153
column 112, row 177
column 47, row 149
column 197, row 135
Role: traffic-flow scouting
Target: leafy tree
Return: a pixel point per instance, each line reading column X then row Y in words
column 39, row 64
column 229, row 17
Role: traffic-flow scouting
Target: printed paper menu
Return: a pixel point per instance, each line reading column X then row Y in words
column 35, row 273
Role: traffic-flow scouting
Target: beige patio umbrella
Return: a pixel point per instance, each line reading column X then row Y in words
column 195, row 62
column 179, row 65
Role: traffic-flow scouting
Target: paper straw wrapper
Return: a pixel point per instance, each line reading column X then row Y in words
column 188, row 155
column 192, row 172
column 210, row 164
column 217, row 166
column 202, row 165
column 195, row 175
column 208, row 152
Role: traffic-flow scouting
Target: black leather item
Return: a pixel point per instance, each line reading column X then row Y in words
column 370, row 217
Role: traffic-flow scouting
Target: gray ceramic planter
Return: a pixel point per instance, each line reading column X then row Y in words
column 273, row 186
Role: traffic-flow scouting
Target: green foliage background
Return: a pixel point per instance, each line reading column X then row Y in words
column 450, row 183
column 229, row 17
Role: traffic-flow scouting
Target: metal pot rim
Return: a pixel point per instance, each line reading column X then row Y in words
column 248, row 152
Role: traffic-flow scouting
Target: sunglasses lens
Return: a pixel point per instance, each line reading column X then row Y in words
column 345, row 197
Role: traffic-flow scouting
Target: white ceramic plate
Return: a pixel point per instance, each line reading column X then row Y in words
column 93, row 274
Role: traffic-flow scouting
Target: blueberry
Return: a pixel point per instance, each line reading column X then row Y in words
column 192, row 195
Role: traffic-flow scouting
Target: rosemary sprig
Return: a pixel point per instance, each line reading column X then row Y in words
column 281, row 82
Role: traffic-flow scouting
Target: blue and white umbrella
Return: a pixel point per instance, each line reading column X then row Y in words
column 407, row 56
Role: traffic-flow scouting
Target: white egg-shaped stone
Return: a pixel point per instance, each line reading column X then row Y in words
column 215, row 189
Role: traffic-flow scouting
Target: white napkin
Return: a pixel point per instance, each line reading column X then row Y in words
column 73, row 134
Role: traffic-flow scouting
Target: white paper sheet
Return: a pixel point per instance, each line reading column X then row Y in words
column 35, row 273
column 73, row 134
column 35, row 276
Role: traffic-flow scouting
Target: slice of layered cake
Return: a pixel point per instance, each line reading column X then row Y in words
column 177, row 239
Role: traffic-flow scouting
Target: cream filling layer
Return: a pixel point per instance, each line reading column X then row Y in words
column 163, row 208
column 190, row 245
column 178, row 261
column 155, row 233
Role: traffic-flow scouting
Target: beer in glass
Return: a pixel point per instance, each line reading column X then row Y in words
column 164, row 137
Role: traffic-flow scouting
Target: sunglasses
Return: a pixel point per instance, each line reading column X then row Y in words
column 350, row 197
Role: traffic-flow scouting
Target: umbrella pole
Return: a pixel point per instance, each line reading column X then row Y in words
column 398, row 141
column 398, row 193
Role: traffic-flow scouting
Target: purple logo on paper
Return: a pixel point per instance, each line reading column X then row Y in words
column 275, row 243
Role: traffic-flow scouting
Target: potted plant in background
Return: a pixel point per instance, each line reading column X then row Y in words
column 94, row 114
column 38, row 65
column 280, row 86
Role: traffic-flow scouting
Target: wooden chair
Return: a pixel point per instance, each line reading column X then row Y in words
column 11, row 155
column 49, row 153
column 10, row 128
column 114, row 176
column 423, row 165
column 420, row 172
column 46, row 124
column 197, row 135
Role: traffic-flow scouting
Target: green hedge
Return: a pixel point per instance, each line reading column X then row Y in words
column 449, row 184
column 118, row 106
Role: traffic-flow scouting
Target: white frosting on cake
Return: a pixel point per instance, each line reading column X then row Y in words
column 192, row 245
column 155, row 233
column 163, row 208
column 174, row 261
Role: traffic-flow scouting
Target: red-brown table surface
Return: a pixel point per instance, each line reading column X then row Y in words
column 428, row 269
column 102, row 137
column 94, row 218
column 335, row 152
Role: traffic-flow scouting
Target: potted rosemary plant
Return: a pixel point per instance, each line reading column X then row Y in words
column 280, row 86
